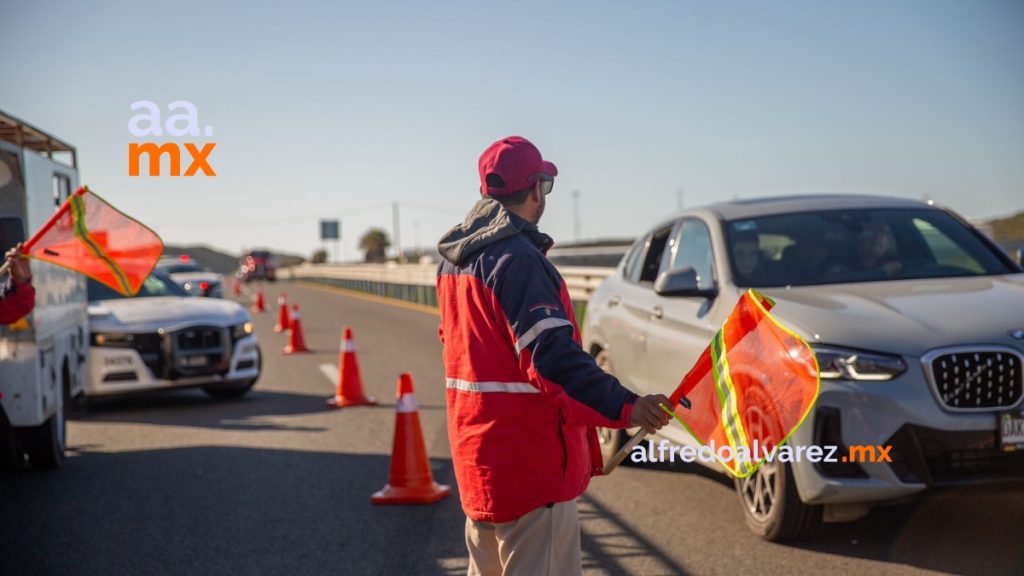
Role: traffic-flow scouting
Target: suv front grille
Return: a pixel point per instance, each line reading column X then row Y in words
column 977, row 379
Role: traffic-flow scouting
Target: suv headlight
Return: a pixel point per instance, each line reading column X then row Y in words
column 857, row 365
column 241, row 330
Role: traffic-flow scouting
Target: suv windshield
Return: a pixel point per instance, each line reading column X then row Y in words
column 155, row 285
column 872, row 245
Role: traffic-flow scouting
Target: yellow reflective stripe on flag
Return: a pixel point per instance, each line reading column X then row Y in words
column 731, row 421
column 78, row 216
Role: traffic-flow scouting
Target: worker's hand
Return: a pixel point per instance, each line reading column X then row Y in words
column 647, row 413
column 19, row 268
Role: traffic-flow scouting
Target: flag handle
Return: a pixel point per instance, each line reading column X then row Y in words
column 624, row 451
column 636, row 439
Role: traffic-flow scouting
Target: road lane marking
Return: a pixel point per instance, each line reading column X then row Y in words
column 371, row 297
column 331, row 372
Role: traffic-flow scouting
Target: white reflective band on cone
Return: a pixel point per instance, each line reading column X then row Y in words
column 406, row 403
column 280, row 299
column 512, row 387
column 296, row 315
column 348, row 345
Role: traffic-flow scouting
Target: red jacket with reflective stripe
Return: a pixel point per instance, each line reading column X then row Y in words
column 523, row 396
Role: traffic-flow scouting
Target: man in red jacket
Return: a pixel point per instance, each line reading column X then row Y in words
column 523, row 396
column 17, row 297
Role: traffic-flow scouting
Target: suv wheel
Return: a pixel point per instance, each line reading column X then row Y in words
column 772, row 506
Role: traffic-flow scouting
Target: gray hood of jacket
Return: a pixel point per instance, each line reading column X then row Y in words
column 487, row 223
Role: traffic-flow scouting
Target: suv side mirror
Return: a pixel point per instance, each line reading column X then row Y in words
column 681, row 282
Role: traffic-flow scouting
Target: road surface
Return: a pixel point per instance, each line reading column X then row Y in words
column 275, row 483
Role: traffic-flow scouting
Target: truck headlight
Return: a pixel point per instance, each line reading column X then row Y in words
column 857, row 365
column 241, row 331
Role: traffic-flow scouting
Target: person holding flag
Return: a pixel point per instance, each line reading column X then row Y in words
column 17, row 296
column 523, row 396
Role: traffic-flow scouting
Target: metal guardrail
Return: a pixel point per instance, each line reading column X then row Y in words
column 415, row 282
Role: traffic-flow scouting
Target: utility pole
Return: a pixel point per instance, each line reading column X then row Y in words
column 398, row 233
column 416, row 236
column 576, row 215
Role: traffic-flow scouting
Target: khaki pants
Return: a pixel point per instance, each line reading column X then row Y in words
column 544, row 542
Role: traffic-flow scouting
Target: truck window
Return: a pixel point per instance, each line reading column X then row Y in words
column 61, row 189
column 12, row 231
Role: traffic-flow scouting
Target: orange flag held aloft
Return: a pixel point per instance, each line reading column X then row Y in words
column 751, row 388
column 91, row 237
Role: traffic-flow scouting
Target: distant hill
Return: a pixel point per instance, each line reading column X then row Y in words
column 222, row 262
column 1008, row 231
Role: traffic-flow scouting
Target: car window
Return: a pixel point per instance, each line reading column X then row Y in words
column 692, row 249
column 652, row 259
column 630, row 270
column 945, row 250
column 861, row 245
column 180, row 268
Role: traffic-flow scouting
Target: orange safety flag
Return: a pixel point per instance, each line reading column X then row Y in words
column 91, row 237
column 751, row 388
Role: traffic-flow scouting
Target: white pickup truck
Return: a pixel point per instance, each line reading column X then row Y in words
column 43, row 356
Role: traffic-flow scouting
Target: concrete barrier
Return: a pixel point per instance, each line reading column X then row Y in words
column 416, row 282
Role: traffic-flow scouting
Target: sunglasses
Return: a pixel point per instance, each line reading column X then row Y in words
column 546, row 182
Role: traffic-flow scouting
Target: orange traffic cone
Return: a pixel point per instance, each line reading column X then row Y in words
column 296, row 341
column 283, row 322
column 258, row 305
column 410, row 480
column 237, row 288
column 350, row 384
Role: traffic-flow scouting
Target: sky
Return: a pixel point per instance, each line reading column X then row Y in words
column 338, row 110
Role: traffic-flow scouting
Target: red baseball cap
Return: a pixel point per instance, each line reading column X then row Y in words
column 511, row 165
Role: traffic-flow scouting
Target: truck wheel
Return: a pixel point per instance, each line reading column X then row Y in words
column 772, row 506
column 45, row 443
column 611, row 439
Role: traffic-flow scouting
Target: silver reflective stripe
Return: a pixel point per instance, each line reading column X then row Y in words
column 513, row 387
column 531, row 334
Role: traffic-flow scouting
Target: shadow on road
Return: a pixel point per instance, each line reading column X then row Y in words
column 971, row 530
column 610, row 544
column 978, row 530
column 194, row 408
column 220, row 510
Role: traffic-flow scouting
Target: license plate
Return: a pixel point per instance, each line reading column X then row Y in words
column 1011, row 430
column 194, row 361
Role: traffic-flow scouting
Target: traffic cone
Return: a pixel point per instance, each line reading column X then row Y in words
column 296, row 341
column 258, row 305
column 237, row 287
column 410, row 480
column 350, row 384
column 283, row 322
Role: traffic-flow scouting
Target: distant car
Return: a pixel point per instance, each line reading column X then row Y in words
column 192, row 277
column 916, row 319
column 162, row 338
column 258, row 265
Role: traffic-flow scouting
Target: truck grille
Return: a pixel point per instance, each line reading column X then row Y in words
column 200, row 351
column 978, row 379
column 198, row 339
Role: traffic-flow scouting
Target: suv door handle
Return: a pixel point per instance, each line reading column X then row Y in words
column 614, row 301
column 658, row 312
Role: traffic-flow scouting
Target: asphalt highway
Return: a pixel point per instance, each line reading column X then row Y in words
column 275, row 483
